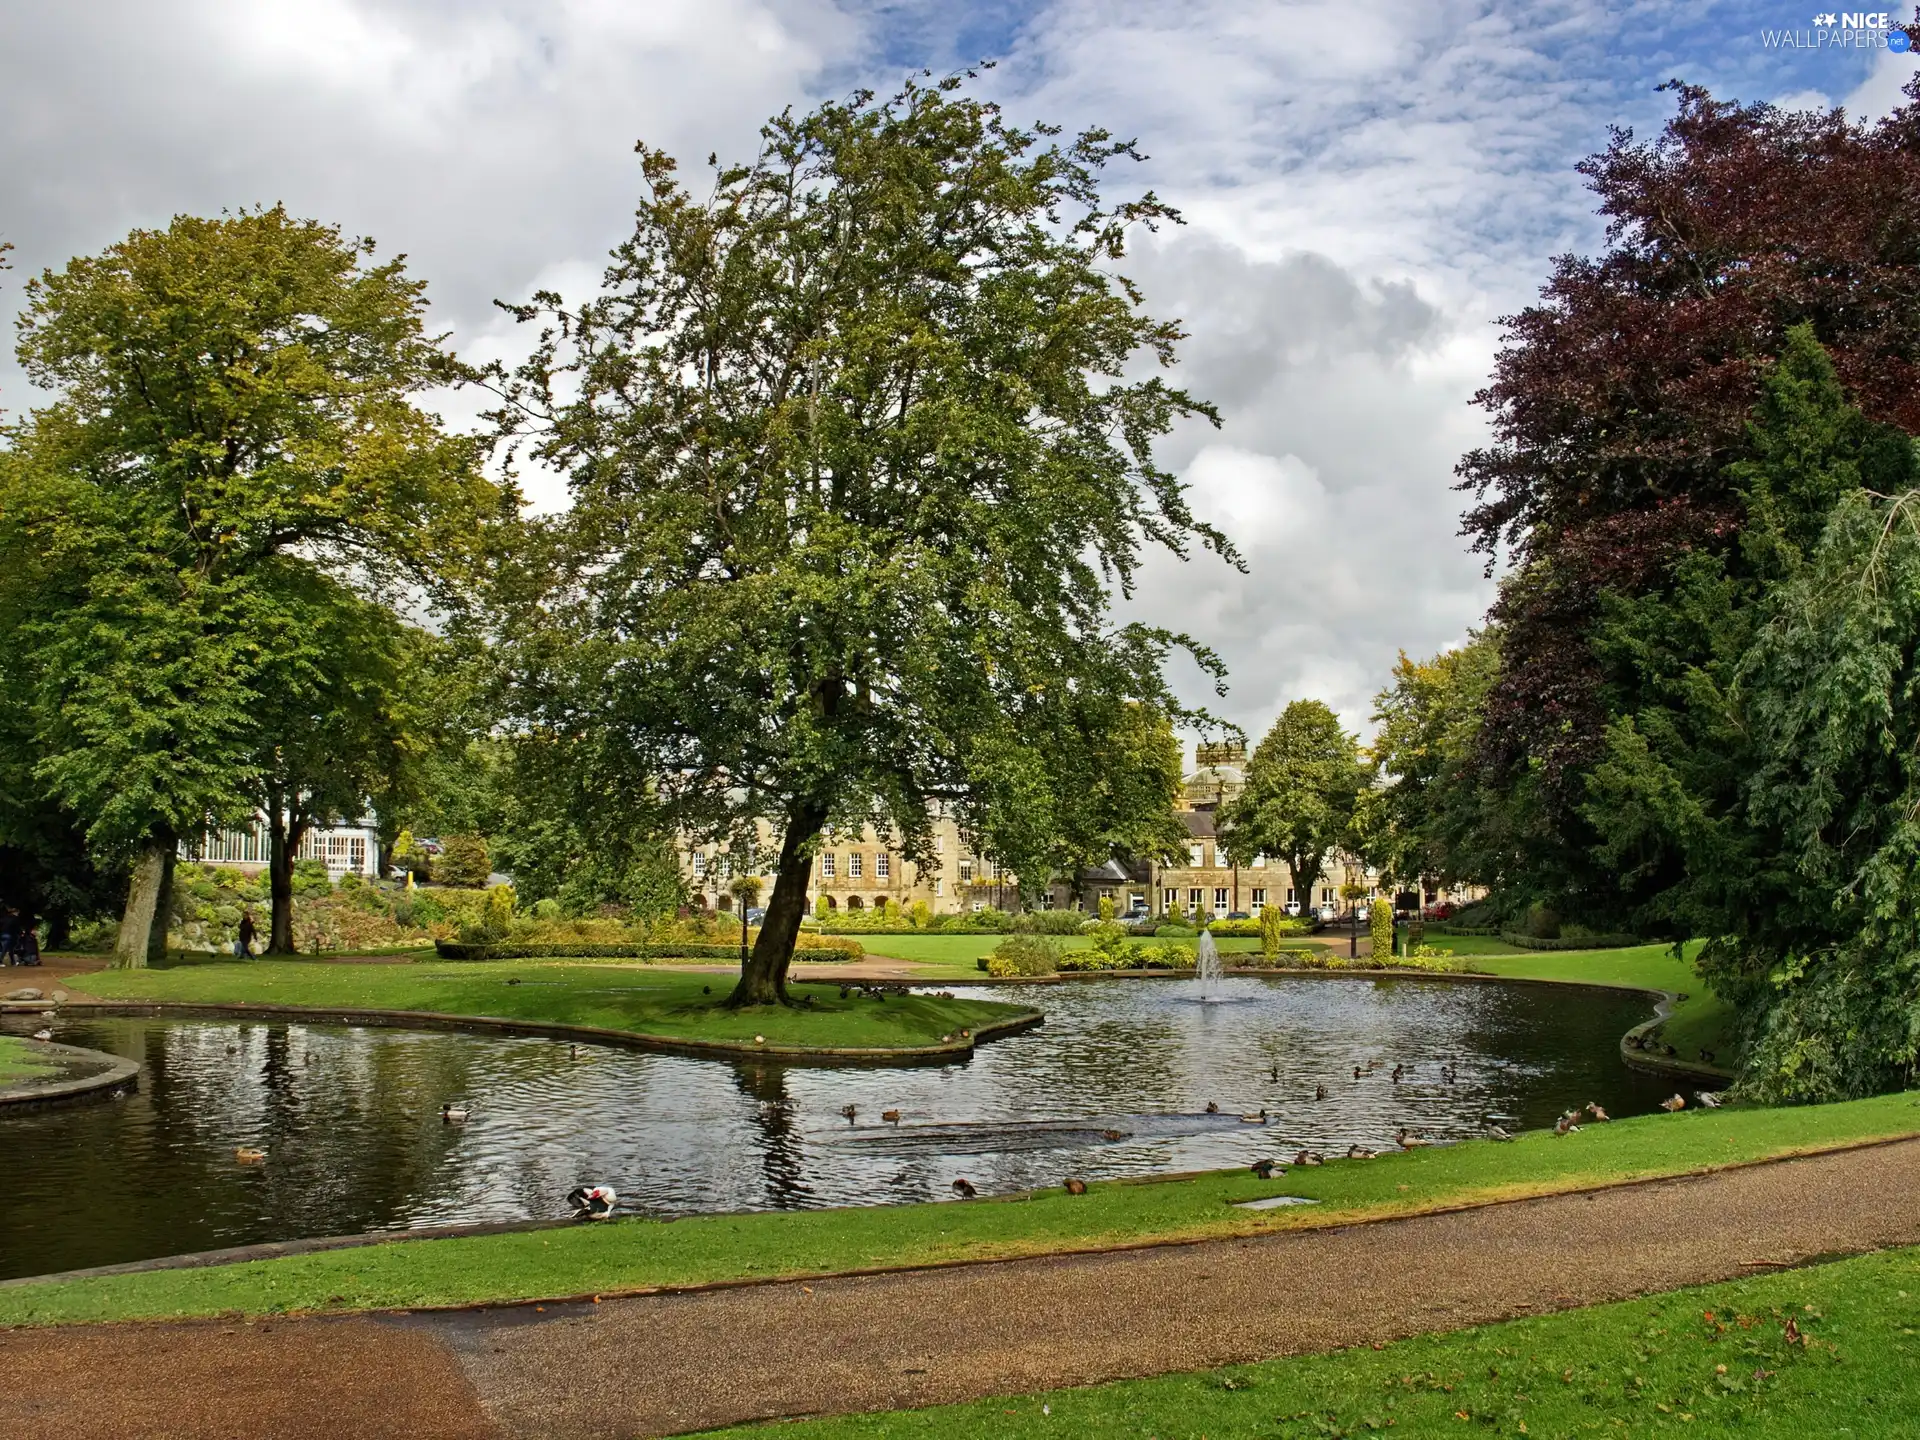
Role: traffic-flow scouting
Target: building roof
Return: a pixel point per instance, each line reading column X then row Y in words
column 1199, row 823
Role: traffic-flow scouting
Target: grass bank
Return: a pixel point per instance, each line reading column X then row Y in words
column 603, row 995
column 641, row 1254
column 954, row 956
column 1712, row 1360
column 18, row 1061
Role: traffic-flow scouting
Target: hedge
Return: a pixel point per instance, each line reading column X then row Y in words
column 1441, row 927
column 822, row 950
column 1568, row 942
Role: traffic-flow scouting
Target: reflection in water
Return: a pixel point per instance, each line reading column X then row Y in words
column 1116, row 1083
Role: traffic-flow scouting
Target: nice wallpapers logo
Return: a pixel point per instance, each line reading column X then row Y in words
column 1846, row 29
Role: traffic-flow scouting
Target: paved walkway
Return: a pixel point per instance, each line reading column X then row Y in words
column 661, row 1365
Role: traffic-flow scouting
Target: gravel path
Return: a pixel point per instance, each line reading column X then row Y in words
column 665, row 1364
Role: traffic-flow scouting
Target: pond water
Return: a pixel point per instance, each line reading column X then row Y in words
column 1116, row 1083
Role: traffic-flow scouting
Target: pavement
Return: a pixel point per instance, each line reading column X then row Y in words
column 668, row 1364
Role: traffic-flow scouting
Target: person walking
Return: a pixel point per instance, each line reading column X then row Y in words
column 9, row 933
column 243, row 947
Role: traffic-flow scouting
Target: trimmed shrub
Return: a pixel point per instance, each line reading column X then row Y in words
column 1023, row 955
column 1380, row 926
column 1570, row 942
column 1050, row 922
column 463, row 862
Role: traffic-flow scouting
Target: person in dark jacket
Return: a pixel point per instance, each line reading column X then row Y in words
column 9, row 933
column 243, row 947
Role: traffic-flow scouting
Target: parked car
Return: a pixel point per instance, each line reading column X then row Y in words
column 1238, row 915
column 1292, row 907
column 1327, row 912
column 1439, row 911
column 756, row 915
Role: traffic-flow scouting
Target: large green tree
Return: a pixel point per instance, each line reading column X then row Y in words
column 1303, row 784
column 235, row 419
column 859, row 443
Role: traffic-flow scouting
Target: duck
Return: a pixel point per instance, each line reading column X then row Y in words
column 43, row 1034
column 964, row 1188
column 1564, row 1125
column 1309, row 1157
column 1600, row 1116
column 1407, row 1140
column 892, row 1117
column 1356, row 1152
column 1709, row 1099
column 454, row 1114
column 1076, row 1186
column 593, row 1202
column 1496, row 1132
column 1212, row 1108
column 1398, row 1071
column 1356, row 1072
column 248, row 1154
column 1259, row 1119
column 1319, row 1092
column 1673, row 1103
column 1706, row 1057
column 1273, row 1074
column 1113, row 1135
column 1449, row 1074
column 1265, row 1169
column 850, row 1111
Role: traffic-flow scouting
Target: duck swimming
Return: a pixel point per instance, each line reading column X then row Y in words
column 454, row 1114
column 248, row 1155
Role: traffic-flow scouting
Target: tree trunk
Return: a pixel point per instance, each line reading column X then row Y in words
column 143, row 925
column 284, row 835
column 763, row 978
column 59, row 928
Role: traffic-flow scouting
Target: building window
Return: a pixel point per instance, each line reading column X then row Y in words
column 700, row 865
column 1196, row 855
column 1259, row 901
column 826, row 867
column 853, row 865
column 1289, row 895
column 966, row 871
column 1169, row 901
column 939, row 887
column 1220, row 901
column 978, row 906
column 1326, row 894
column 1194, row 898
column 939, row 844
column 882, row 866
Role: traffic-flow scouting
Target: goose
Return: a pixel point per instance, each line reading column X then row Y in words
column 1676, row 1102
column 1708, row 1099
column 1407, row 1140
column 892, row 1117
column 43, row 1034
column 1076, row 1186
column 454, row 1114
column 1265, row 1168
column 248, row 1155
column 1599, row 1115
column 963, row 1187
column 850, row 1111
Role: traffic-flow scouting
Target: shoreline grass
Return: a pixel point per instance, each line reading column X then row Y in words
column 639, row 1254
column 635, row 999
column 1706, row 1360
column 18, row 1061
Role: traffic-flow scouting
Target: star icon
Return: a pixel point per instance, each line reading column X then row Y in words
column 1827, row 19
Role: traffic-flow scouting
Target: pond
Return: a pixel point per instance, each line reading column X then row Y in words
column 1116, row 1083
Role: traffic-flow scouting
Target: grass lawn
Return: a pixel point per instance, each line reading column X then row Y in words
column 18, row 1061
column 958, row 953
column 1714, row 1360
column 608, row 995
column 1473, row 945
column 636, row 1254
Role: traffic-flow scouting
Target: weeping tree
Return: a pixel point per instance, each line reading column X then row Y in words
column 860, row 448
column 234, row 421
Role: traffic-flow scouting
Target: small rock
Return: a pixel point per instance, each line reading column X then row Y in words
column 59, row 997
column 28, row 994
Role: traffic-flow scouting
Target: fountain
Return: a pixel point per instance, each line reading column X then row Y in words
column 1206, row 967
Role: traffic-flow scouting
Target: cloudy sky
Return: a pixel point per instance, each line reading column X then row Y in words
column 1369, row 187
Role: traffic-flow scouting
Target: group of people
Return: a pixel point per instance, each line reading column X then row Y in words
column 19, row 940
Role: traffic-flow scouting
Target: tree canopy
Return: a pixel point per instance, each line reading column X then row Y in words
column 858, row 449
column 1303, row 783
column 234, row 437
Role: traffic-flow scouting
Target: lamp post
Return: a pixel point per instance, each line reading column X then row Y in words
column 746, row 894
